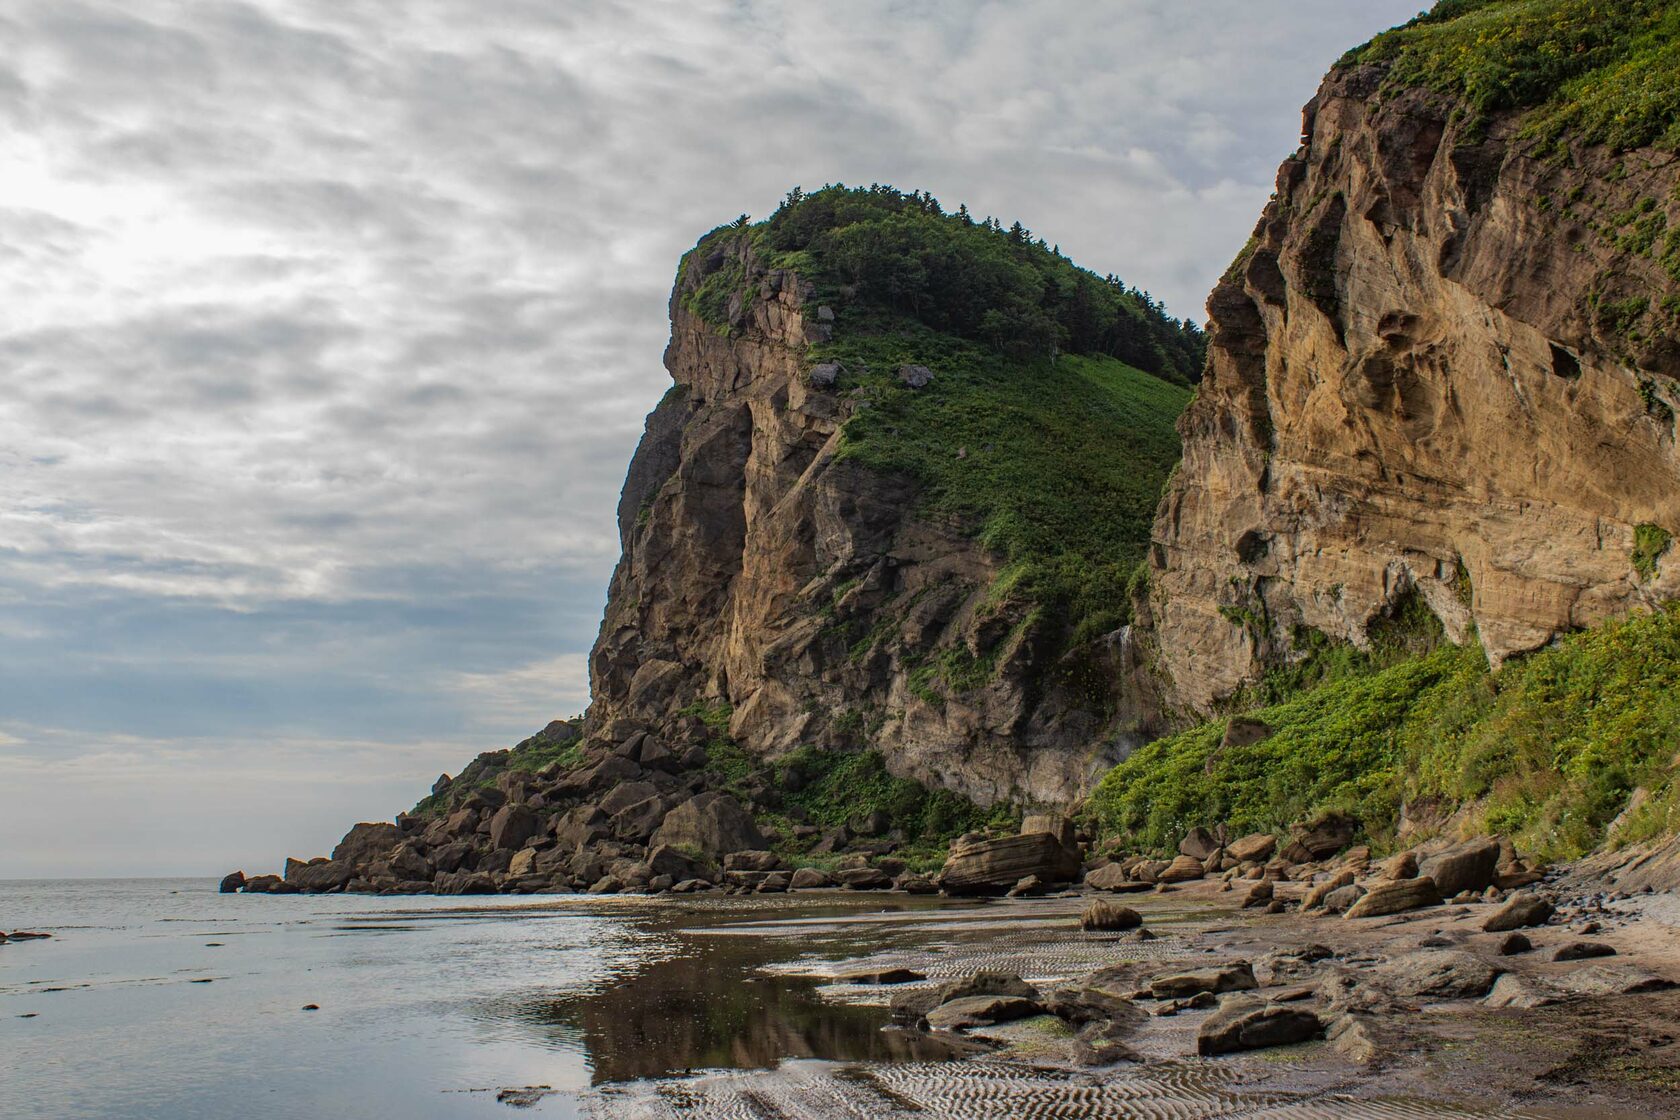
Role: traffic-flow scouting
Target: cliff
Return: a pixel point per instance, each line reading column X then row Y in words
column 1444, row 366
column 849, row 525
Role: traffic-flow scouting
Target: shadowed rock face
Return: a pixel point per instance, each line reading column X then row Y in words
column 1434, row 371
column 753, row 557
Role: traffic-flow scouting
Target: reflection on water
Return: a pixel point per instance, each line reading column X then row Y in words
column 425, row 1006
column 710, row 1008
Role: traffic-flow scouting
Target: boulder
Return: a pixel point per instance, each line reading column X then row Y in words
column 462, row 822
column 626, row 794
column 464, row 882
column 911, row 883
column 512, row 825
column 775, row 882
column 1513, row 944
column 1198, row 844
column 824, row 375
column 1245, row 731
column 636, row 823
column 319, row 878
column 1317, row 893
column 1582, row 950
column 1320, row 838
column 406, row 863
column 1181, row 870
column 711, row 823
column 914, row 376
column 232, row 882
column 980, row 1011
column 1519, row 912
column 582, row 825
column 1053, row 824
column 522, row 862
column 1401, row 866
column 1341, row 899
column 1522, row 992
column 1105, row 915
column 1259, row 894
column 811, row 879
column 605, row 774
column 1113, row 877
column 1395, row 896
column 656, row 755
column 269, row 884
column 367, row 842
column 666, row 860
column 752, row 861
column 912, row 1007
column 864, row 879
column 1235, row 977
column 454, row 856
column 1255, row 847
column 1464, row 867
column 994, row 866
column 1248, row 1023
column 1094, row 1003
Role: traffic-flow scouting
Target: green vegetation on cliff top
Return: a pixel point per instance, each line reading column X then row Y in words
column 1047, row 431
column 1548, row 749
column 1607, row 71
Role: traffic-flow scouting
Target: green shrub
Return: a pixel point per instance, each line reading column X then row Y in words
column 1649, row 544
column 1605, row 70
column 1547, row 749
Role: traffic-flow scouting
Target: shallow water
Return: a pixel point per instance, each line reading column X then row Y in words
column 427, row 1005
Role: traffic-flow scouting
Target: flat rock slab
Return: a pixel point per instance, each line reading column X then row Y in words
column 1395, row 896
column 1246, row 1023
column 981, row 1011
column 880, row 976
column 1437, row 974
column 1236, row 977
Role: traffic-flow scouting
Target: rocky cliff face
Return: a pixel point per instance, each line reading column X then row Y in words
column 1444, row 367
column 764, row 570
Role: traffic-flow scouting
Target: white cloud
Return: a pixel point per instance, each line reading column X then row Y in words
column 323, row 318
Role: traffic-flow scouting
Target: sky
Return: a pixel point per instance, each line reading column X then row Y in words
column 328, row 328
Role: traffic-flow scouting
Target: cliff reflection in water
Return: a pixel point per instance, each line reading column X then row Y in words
column 709, row 1008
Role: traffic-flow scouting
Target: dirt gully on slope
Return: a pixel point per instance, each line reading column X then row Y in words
column 1410, row 1003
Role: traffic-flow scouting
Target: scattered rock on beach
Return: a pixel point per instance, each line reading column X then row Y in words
column 1519, row 911
column 1105, row 915
column 1395, row 896
column 980, row 1011
column 1582, row 950
column 1514, row 943
column 1235, row 977
column 1246, row 1022
column 1469, row 866
column 1437, row 974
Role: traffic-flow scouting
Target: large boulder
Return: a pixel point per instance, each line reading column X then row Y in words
column 1470, row 866
column 1245, row 1022
column 1102, row 914
column 978, row 867
column 1255, row 847
column 1394, row 896
column 512, row 825
column 635, row 823
column 1236, row 977
column 1182, row 869
column 666, row 860
column 626, row 794
column 810, row 879
column 1055, row 824
column 232, row 882
column 366, row 842
column 318, row 878
column 1113, row 877
column 1198, row 844
column 581, row 825
column 1319, row 839
column 711, row 823
column 1519, row 911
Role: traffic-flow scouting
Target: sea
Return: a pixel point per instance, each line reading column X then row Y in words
column 161, row 998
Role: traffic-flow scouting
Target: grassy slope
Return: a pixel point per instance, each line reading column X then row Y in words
column 1547, row 749
column 1607, row 71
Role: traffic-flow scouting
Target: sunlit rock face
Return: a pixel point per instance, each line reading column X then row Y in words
column 802, row 589
column 1442, row 368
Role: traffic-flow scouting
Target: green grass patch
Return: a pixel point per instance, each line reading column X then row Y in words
column 543, row 749
column 1649, row 544
column 1607, row 71
column 1548, row 749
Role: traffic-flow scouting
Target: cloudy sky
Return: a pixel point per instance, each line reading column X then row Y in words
column 328, row 327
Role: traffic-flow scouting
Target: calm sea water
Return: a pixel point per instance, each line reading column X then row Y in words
column 427, row 1005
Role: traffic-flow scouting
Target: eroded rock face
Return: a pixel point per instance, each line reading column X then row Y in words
column 1432, row 372
column 755, row 561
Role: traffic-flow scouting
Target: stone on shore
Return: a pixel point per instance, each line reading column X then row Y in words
column 1437, row 974
column 1582, row 950
column 981, row 1011
column 1396, row 896
column 1236, row 977
column 1469, row 866
column 1247, row 1023
column 994, row 866
column 1318, row 892
column 1253, row 848
column 1102, row 914
column 1113, row 877
column 1519, row 912
column 811, row 879
column 711, row 823
column 1182, row 869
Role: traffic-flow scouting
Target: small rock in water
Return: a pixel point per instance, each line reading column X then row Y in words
column 312, row 1007
column 523, row 1098
column 202, row 980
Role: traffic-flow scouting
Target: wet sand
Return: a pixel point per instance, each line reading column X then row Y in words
column 1603, row 1058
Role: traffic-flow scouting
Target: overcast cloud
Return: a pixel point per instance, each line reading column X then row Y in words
column 329, row 326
